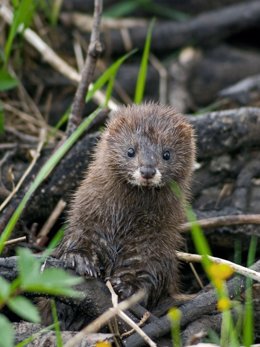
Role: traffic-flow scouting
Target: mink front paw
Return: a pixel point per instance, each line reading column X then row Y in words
column 81, row 265
column 123, row 289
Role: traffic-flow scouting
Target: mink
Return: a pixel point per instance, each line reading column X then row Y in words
column 124, row 219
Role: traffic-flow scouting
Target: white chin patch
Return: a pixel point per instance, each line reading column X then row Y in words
column 138, row 180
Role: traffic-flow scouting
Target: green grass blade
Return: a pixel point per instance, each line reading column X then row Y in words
column 106, row 76
column 55, row 11
column 22, row 17
column 44, row 172
column 7, row 81
column 59, row 342
column 198, row 237
column 53, row 243
column 174, row 315
column 228, row 332
column 252, row 251
column 109, row 90
column 238, row 252
column 140, row 84
column 165, row 11
column 122, row 8
column 248, row 328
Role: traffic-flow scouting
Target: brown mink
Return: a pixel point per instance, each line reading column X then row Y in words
column 124, row 218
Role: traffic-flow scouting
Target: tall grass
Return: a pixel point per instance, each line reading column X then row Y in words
column 141, row 79
column 248, row 324
column 23, row 16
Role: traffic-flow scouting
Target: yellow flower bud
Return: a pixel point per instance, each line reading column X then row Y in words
column 220, row 271
column 224, row 304
column 103, row 344
column 174, row 314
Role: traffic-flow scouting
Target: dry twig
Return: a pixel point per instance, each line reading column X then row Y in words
column 129, row 321
column 204, row 303
column 87, row 73
column 223, row 221
column 51, row 57
column 50, row 222
column 188, row 257
column 104, row 318
column 36, row 156
column 17, row 240
column 85, row 22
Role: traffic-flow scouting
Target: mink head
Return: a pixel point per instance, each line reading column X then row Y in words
column 149, row 145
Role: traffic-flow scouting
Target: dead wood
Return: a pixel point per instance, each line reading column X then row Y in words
column 62, row 181
column 8, row 266
column 244, row 92
column 23, row 330
column 197, row 330
column 78, row 313
column 206, row 27
column 223, row 221
column 203, row 304
column 87, row 73
column 226, row 131
column 188, row 6
column 73, row 313
column 215, row 68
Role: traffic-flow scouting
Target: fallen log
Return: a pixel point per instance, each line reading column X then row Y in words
column 43, row 338
column 204, row 303
column 204, row 28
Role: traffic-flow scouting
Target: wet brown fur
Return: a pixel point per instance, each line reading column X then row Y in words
column 129, row 233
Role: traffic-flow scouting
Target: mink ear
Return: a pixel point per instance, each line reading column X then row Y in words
column 116, row 124
column 186, row 130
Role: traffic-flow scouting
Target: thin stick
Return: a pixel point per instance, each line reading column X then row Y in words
column 163, row 77
column 85, row 22
column 13, row 241
column 30, row 120
column 51, row 57
column 196, row 275
column 50, row 222
column 87, row 73
column 36, row 156
column 188, row 257
column 145, row 317
column 128, row 320
column 223, row 221
column 104, row 318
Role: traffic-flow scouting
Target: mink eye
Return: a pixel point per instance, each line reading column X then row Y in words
column 166, row 155
column 131, row 152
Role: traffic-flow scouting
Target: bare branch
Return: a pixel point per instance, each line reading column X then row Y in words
column 128, row 320
column 188, row 257
column 87, row 74
column 51, row 57
column 104, row 318
column 223, row 221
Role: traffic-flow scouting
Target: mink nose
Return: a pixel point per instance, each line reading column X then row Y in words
column 147, row 172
